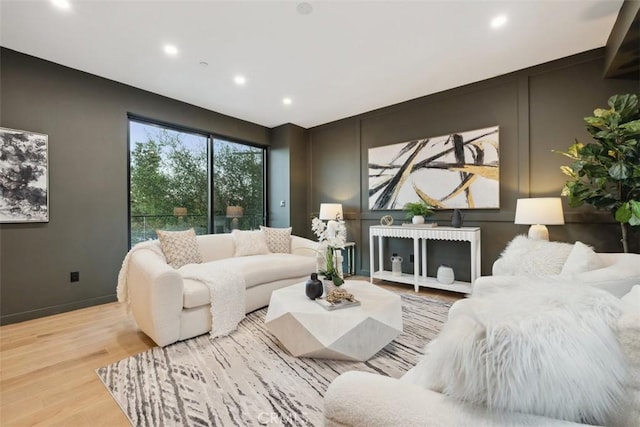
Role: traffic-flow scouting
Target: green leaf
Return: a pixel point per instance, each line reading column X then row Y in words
column 635, row 208
column 568, row 171
column 575, row 202
column 631, row 128
column 634, row 221
column 574, row 150
column 626, row 105
column 619, row 171
column 623, row 214
column 599, row 112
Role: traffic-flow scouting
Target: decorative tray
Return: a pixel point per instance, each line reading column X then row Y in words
column 337, row 305
column 425, row 225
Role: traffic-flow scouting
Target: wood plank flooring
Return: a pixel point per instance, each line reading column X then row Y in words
column 47, row 365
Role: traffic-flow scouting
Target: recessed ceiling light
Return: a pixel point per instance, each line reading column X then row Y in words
column 286, row 101
column 170, row 49
column 62, row 4
column 498, row 21
column 239, row 80
column 304, row 8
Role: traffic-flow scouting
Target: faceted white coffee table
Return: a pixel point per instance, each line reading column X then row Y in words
column 355, row 333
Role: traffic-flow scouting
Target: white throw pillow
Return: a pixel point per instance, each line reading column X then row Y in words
column 179, row 247
column 581, row 258
column 544, row 349
column 249, row 242
column 278, row 239
column 533, row 257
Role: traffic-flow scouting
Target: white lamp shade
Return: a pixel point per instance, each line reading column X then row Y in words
column 234, row 212
column 330, row 211
column 543, row 210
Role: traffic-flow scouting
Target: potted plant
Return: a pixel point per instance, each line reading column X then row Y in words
column 416, row 211
column 332, row 237
column 605, row 173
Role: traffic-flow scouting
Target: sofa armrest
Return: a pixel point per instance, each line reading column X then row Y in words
column 302, row 246
column 371, row 400
column 155, row 296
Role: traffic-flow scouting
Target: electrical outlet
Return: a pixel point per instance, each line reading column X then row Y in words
column 75, row 276
column 411, row 258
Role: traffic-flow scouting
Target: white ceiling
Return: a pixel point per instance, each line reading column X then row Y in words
column 343, row 59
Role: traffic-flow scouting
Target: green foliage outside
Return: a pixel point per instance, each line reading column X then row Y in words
column 605, row 173
column 238, row 178
column 167, row 173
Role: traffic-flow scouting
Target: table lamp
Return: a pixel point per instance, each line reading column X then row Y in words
column 539, row 212
column 330, row 211
column 234, row 212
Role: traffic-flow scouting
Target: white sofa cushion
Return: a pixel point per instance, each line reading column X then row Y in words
column 248, row 242
column 256, row 269
column 180, row 247
column 621, row 271
column 581, row 258
column 629, row 336
column 216, row 246
column 545, row 349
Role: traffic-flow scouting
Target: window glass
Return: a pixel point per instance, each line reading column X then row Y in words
column 168, row 173
column 238, row 186
column 180, row 180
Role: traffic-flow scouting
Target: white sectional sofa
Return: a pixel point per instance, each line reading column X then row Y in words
column 525, row 261
column 367, row 399
column 169, row 308
column 364, row 399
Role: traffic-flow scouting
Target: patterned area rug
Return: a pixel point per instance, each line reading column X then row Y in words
column 247, row 379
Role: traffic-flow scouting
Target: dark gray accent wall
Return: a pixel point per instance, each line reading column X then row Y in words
column 289, row 178
column 539, row 109
column 86, row 119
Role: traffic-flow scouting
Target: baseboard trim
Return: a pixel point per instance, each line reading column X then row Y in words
column 56, row 309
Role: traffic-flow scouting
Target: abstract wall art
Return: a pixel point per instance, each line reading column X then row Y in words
column 24, row 176
column 457, row 171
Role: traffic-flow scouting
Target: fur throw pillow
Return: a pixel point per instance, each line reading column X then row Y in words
column 533, row 257
column 549, row 350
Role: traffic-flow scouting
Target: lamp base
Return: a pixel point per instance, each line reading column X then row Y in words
column 538, row 232
column 235, row 223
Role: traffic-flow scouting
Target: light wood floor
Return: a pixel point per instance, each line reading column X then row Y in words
column 47, row 365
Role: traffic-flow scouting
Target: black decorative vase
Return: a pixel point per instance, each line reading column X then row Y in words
column 313, row 287
column 457, row 218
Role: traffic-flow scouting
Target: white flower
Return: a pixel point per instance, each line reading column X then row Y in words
column 333, row 234
column 336, row 234
column 318, row 228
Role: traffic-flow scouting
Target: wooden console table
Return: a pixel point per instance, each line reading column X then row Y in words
column 468, row 234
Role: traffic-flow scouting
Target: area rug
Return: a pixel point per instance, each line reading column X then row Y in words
column 248, row 379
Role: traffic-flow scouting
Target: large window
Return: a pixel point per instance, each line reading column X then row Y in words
column 180, row 179
column 238, row 186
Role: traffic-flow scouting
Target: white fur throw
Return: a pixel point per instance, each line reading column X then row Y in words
column 536, row 257
column 541, row 349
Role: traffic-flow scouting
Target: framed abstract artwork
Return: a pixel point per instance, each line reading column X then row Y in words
column 456, row 171
column 24, row 176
